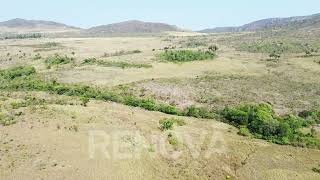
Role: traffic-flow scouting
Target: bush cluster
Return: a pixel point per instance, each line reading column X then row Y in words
column 58, row 60
column 167, row 123
column 198, row 112
column 313, row 115
column 186, row 55
column 16, row 72
column 151, row 105
column 261, row 121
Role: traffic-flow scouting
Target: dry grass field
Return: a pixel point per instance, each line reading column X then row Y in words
column 52, row 135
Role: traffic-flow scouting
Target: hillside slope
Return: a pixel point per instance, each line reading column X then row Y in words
column 273, row 23
column 23, row 25
column 133, row 27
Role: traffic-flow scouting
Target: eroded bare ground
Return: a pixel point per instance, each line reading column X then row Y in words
column 52, row 140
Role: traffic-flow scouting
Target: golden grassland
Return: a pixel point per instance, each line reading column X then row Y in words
column 50, row 138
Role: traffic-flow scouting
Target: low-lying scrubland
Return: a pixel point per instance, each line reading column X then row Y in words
column 58, row 60
column 258, row 120
column 270, row 47
column 193, row 43
column 122, row 53
column 123, row 65
column 20, row 71
column 186, row 55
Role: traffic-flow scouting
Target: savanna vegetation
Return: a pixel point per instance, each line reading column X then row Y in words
column 258, row 120
column 186, row 55
column 276, row 48
column 123, row 65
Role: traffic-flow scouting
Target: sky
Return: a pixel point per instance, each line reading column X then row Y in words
column 188, row 14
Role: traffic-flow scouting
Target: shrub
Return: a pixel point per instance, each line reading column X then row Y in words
column 90, row 61
column 6, row 120
column 16, row 72
column 186, row 55
column 168, row 109
column 131, row 101
column 311, row 116
column 151, row 105
column 58, row 60
column 166, row 124
column 148, row 104
column 237, row 116
column 198, row 112
column 109, row 96
column 84, row 101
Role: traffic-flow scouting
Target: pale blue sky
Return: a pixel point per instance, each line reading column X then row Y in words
column 189, row 14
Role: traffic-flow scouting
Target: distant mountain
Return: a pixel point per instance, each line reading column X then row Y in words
column 23, row 25
column 133, row 27
column 273, row 23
